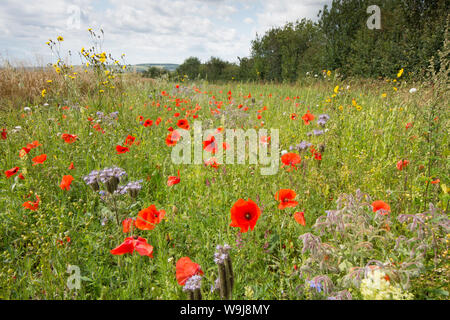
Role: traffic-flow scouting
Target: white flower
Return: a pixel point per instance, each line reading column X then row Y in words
column 26, row 109
column 378, row 287
column 283, row 152
column 412, row 90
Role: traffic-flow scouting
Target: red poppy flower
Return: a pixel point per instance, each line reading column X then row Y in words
column 39, row 159
column 381, row 205
column 21, row 176
column 300, row 218
column 176, row 115
column 33, row 145
column 286, row 198
column 69, row 138
column 65, row 183
column 436, row 181
column 24, row 151
column 131, row 244
column 307, row 117
column 173, row 180
column 293, row 116
column 210, row 145
column 317, row 156
column 212, row 162
column 401, row 164
column 185, row 269
column 148, row 123
column 121, row 149
column 71, row 167
column 32, row 205
column 129, row 140
column 126, row 224
column 172, row 138
column 98, row 128
column 11, row 172
column 290, row 159
column 265, row 140
column 408, row 125
column 148, row 218
column 183, row 124
column 244, row 214
column 4, row 134
column 158, row 121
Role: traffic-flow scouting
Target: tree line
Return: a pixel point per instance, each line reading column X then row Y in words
column 411, row 34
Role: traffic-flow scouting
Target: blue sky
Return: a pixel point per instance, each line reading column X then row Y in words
column 164, row 31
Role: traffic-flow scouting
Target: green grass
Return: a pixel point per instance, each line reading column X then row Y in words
column 361, row 151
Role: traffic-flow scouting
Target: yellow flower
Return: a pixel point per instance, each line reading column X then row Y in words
column 49, row 81
column 384, row 95
column 341, row 108
column 103, row 57
column 399, row 74
column 354, row 102
column 60, row 38
column 359, row 108
column 395, row 89
column 328, row 73
column 87, row 64
column 43, row 93
column 336, row 89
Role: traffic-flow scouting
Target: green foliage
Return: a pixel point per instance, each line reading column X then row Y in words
column 412, row 32
column 155, row 72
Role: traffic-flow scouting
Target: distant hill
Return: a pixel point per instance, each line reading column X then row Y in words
column 141, row 67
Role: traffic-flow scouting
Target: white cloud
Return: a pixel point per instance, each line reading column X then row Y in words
column 154, row 31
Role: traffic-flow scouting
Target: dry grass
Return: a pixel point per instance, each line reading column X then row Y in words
column 21, row 86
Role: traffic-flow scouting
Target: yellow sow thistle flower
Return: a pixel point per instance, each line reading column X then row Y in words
column 336, row 89
column 328, row 73
column 103, row 57
column 384, row 95
column 43, row 93
column 399, row 74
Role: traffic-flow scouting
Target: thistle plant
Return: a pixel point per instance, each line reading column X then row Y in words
column 193, row 286
column 350, row 237
column 110, row 178
column 226, row 278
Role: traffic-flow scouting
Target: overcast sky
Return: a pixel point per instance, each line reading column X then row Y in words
column 154, row 31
